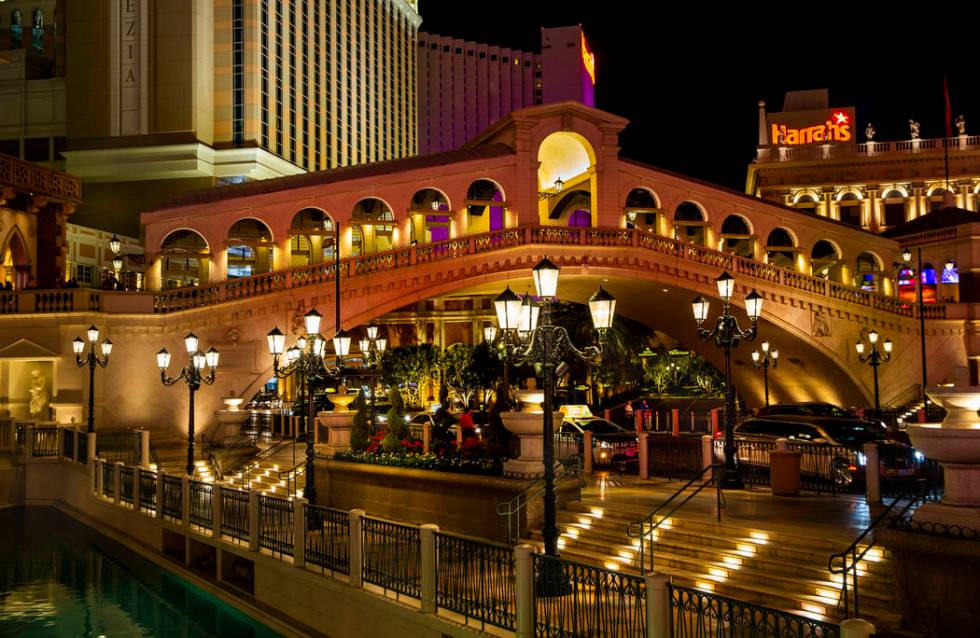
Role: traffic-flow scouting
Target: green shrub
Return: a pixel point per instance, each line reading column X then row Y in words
column 359, row 435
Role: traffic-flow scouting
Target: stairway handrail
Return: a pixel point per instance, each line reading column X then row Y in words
column 290, row 476
column 261, row 456
column 644, row 533
column 567, row 467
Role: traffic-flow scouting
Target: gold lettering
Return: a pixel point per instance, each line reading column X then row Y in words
column 845, row 133
column 792, row 136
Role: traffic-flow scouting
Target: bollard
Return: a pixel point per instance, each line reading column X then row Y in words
column 524, row 588
column 644, row 453
column 145, row 448
column 426, row 437
column 587, row 460
column 872, row 473
column 427, row 534
column 707, row 451
column 216, row 510
column 185, row 501
column 299, row 532
column 675, row 422
column 658, row 606
column 856, row 628
column 355, row 560
column 254, row 508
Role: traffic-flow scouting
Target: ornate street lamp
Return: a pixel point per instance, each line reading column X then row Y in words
column 875, row 358
column 372, row 349
column 201, row 368
column 91, row 360
column 726, row 335
column 906, row 258
column 768, row 358
column 527, row 336
column 306, row 360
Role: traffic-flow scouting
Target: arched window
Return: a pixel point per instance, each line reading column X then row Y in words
column 867, row 272
column 906, row 285
column 806, row 202
column 930, row 288
column 431, row 216
column 937, row 199
column 249, row 248
column 895, row 206
column 950, row 282
column 484, row 206
column 373, row 227
column 824, row 259
column 641, row 210
column 311, row 237
column 183, row 259
column 850, row 209
column 780, row 248
column 736, row 237
column 689, row 223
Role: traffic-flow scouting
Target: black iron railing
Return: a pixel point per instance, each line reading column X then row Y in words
column 328, row 538
column 148, row 491
column 476, row 579
column 586, row 600
column 515, row 510
column 392, row 556
column 173, row 498
column 68, row 445
column 108, row 480
column 674, row 457
column 823, row 467
column 276, row 525
column 908, row 523
column 202, row 505
column 44, row 442
column 83, row 448
column 126, row 484
column 119, row 446
column 234, row 514
column 697, row 614
column 20, row 437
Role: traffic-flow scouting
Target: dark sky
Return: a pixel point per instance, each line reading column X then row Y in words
column 689, row 76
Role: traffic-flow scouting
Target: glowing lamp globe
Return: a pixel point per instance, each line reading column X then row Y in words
column 78, row 346
column 753, row 305
column 277, row 341
column 341, row 343
column 93, row 334
column 726, row 286
column 190, row 343
column 546, row 278
column 700, row 308
column 508, row 308
column 312, row 321
column 163, row 359
column 106, row 347
column 602, row 307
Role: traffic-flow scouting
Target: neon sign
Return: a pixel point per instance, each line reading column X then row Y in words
column 836, row 128
column 588, row 59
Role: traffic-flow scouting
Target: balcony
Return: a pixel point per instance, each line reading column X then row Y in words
column 779, row 154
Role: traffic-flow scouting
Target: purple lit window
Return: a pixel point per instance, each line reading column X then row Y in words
column 951, row 275
column 580, row 219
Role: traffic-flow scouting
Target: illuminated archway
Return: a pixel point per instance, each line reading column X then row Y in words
column 825, row 260
column 894, row 203
column 573, row 209
column 184, row 259
column 565, row 162
column 849, row 207
column 430, row 216
column 690, row 223
column 249, row 245
column 781, row 248
column 737, row 237
column 16, row 261
column 642, row 208
column 311, row 237
column 485, row 202
column 372, row 227
column 867, row 272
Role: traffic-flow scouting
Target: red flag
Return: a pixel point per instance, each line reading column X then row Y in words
column 949, row 110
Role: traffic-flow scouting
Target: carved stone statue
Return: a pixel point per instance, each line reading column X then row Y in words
column 960, row 124
column 869, row 132
column 914, row 129
column 821, row 325
column 39, row 394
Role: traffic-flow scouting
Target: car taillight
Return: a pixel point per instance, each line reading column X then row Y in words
column 852, row 468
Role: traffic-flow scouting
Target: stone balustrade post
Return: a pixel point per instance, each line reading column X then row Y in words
column 299, row 531
column 145, row 449
column 91, row 446
column 253, row 520
column 658, row 606
column 872, row 473
column 524, row 589
column 427, row 536
column 116, row 482
column 643, row 443
column 856, row 628
column 782, row 445
column 587, row 460
column 356, row 555
column 707, row 451
column 216, row 510
column 161, row 479
column 185, row 501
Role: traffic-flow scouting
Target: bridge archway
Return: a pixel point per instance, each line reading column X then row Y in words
column 736, row 236
column 825, row 260
column 372, row 226
column 485, row 201
column 430, row 216
column 566, row 162
column 868, row 272
column 642, row 210
column 781, row 248
column 249, row 247
column 184, row 259
column 691, row 223
column 312, row 237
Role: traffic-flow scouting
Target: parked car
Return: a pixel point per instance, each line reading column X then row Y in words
column 832, row 446
column 814, row 409
column 614, row 445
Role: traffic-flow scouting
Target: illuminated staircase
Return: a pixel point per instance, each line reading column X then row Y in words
column 278, row 475
column 777, row 569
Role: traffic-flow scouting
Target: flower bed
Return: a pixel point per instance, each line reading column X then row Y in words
column 468, row 459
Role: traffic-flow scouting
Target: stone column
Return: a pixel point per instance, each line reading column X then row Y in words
column 644, row 454
column 427, row 535
column 658, row 606
column 524, row 587
column 355, row 562
column 299, row 531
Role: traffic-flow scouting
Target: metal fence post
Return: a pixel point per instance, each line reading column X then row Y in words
column 161, row 478
column 644, row 456
column 299, row 531
column 253, row 520
column 145, row 449
column 587, row 452
column 96, row 474
column 216, row 510
column 427, row 536
column 185, row 501
column 355, row 556
column 872, row 473
column 75, row 443
column 707, row 451
column 856, row 628
column 60, row 441
column 137, row 492
column 117, row 481
column 658, row 606
column 524, row 589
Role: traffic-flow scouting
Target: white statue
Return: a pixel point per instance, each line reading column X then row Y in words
column 39, row 394
column 869, row 132
column 961, row 124
column 914, row 129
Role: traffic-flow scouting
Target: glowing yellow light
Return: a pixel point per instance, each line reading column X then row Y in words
column 828, row 594
column 701, row 584
column 759, row 537
column 732, row 561
column 596, row 511
column 626, row 554
column 718, row 572
column 814, row 609
column 612, row 566
column 571, row 532
column 746, row 548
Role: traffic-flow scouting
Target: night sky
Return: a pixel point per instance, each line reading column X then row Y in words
column 689, row 79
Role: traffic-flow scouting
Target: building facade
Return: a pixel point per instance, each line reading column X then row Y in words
column 464, row 87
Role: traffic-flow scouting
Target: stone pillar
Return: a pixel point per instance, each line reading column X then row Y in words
column 872, row 473
column 427, row 535
column 299, row 532
column 282, row 254
column 145, row 449
column 587, row 460
column 253, row 521
column 707, row 451
column 658, row 606
column 644, row 454
column 675, row 422
column 524, row 587
column 90, row 442
column 356, row 578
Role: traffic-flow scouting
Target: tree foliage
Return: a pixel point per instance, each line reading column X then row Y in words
column 469, row 371
column 360, row 436
column 411, row 369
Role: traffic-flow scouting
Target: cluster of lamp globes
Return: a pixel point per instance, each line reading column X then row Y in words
column 726, row 287
column 515, row 314
column 78, row 345
column 341, row 341
column 766, row 350
column 873, row 339
column 198, row 359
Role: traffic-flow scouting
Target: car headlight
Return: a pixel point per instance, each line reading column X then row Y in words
column 605, row 444
column 918, row 456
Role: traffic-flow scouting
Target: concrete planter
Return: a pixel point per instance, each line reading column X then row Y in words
column 528, row 426
column 339, row 426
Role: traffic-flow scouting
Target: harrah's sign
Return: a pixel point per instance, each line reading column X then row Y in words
column 797, row 128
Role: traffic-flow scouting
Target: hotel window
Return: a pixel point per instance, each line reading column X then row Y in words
column 850, row 209
column 238, row 72
column 936, row 199
column 894, row 205
column 807, row 203
column 264, row 55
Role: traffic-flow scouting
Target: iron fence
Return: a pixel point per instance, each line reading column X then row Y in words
column 126, row 484
column 44, row 442
column 698, row 614
column 276, row 525
column 674, row 457
column 148, row 491
column 572, row 599
column 119, row 446
column 476, row 579
column 20, row 437
column 234, row 514
column 83, row 448
column 108, row 480
column 68, row 445
column 201, row 510
column 823, row 467
column 173, row 498
column 328, row 538
column 392, row 556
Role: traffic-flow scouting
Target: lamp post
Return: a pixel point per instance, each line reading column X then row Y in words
column 201, row 368
column 726, row 335
column 306, row 359
column 907, row 257
column 115, row 245
column 528, row 336
column 372, row 349
column 874, row 359
column 91, row 360
column 768, row 358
